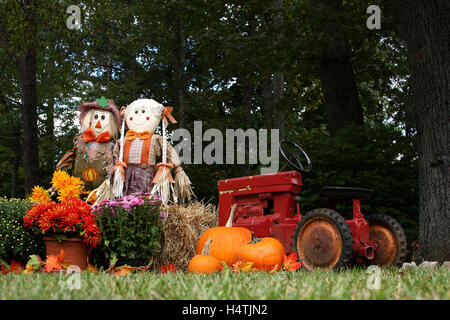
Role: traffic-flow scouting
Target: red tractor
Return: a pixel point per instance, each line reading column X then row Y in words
column 269, row 206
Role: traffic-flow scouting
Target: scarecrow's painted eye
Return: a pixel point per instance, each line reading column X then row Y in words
column 103, row 117
column 136, row 112
column 143, row 111
column 96, row 117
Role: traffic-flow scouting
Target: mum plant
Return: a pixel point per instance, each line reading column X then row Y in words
column 131, row 226
column 68, row 218
column 17, row 242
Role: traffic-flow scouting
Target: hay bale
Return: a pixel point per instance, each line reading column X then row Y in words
column 183, row 226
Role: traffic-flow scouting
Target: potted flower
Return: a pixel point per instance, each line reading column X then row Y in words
column 131, row 228
column 68, row 224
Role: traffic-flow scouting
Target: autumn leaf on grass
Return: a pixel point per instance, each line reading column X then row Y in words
column 274, row 269
column 28, row 270
column 169, row 268
column 235, row 267
column 52, row 263
column 124, row 270
column 4, row 269
column 291, row 262
column 16, row 267
column 92, row 269
column 35, row 263
column 240, row 266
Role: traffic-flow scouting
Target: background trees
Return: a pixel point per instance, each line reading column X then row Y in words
column 349, row 95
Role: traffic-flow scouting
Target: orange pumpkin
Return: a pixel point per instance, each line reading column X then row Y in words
column 90, row 174
column 204, row 263
column 227, row 240
column 265, row 253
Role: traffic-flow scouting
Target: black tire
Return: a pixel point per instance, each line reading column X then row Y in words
column 401, row 245
column 313, row 252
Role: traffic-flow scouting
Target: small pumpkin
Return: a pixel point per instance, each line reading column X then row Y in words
column 227, row 240
column 204, row 263
column 90, row 174
column 265, row 253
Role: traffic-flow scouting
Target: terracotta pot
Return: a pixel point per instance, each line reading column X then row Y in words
column 75, row 250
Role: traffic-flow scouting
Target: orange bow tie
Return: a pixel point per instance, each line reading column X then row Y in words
column 89, row 136
column 131, row 135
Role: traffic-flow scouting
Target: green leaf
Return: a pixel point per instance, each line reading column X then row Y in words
column 102, row 102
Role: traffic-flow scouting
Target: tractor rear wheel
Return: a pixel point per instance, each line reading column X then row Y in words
column 323, row 240
column 390, row 238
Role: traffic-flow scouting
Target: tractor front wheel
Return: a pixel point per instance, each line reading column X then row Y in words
column 390, row 238
column 323, row 240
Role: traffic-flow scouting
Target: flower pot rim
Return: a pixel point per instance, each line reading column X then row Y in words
column 74, row 239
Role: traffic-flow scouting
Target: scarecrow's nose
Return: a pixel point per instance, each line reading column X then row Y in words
column 98, row 125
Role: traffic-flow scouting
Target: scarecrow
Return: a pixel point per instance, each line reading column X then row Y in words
column 138, row 170
column 96, row 148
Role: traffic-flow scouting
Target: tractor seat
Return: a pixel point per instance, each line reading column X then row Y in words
column 345, row 193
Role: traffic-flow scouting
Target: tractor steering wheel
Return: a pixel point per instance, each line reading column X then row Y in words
column 288, row 154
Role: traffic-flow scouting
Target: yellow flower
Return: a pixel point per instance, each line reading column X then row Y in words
column 67, row 186
column 39, row 195
column 60, row 179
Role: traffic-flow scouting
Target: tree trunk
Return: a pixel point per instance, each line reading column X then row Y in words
column 15, row 171
column 335, row 70
column 426, row 31
column 267, row 110
column 27, row 70
column 278, row 111
column 179, row 72
column 278, row 76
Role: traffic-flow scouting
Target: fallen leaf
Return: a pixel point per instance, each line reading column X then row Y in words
column 123, row 270
column 240, row 266
column 92, row 269
column 35, row 262
column 16, row 267
column 28, row 269
column 169, row 268
column 274, row 269
column 4, row 269
column 235, row 267
column 291, row 262
column 52, row 263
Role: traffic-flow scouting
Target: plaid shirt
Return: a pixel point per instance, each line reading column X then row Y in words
column 156, row 146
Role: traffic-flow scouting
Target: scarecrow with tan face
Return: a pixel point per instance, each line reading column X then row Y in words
column 96, row 148
column 146, row 158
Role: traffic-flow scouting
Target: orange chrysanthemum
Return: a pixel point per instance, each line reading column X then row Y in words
column 40, row 195
column 67, row 186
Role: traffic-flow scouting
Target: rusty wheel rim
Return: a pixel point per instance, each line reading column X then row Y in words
column 319, row 244
column 386, row 245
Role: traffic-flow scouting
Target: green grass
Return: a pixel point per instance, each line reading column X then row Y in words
column 347, row 284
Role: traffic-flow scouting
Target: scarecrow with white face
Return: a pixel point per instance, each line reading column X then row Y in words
column 138, row 170
column 96, row 148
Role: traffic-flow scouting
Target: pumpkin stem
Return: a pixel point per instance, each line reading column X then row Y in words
column 205, row 250
column 255, row 239
column 230, row 219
